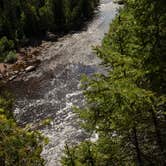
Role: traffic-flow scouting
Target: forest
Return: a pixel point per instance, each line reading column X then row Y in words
column 124, row 106
column 21, row 20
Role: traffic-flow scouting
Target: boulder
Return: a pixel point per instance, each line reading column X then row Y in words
column 30, row 68
column 12, row 78
column 16, row 72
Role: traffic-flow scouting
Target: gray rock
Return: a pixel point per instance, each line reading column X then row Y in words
column 12, row 78
column 30, row 68
column 7, row 74
column 16, row 72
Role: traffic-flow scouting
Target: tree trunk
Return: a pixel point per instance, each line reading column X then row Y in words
column 140, row 163
column 158, row 136
column 2, row 161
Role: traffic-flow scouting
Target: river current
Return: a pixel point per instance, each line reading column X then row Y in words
column 52, row 90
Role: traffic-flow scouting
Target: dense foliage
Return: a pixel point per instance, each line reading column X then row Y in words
column 18, row 146
column 126, row 106
column 23, row 19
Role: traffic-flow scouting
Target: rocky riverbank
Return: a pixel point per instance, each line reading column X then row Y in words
column 26, row 62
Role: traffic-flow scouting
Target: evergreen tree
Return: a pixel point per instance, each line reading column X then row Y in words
column 18, row 146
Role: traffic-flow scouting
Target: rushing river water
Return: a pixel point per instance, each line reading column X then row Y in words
column 51, row 90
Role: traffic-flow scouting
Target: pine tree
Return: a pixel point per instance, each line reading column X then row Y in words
column 18, row 146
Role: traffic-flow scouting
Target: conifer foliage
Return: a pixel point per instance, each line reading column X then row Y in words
column 126, row 106
column 18, row 146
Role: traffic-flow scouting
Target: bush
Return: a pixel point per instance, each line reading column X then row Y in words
column 5, row 46
column 11, row 57
column 18, row 146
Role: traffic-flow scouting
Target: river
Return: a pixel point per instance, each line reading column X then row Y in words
column 52, row 90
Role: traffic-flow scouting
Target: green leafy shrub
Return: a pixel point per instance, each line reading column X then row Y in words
column 5, row 46
column 11, row 57
column 6, row 103
column 18, row 146
column 84, row 154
